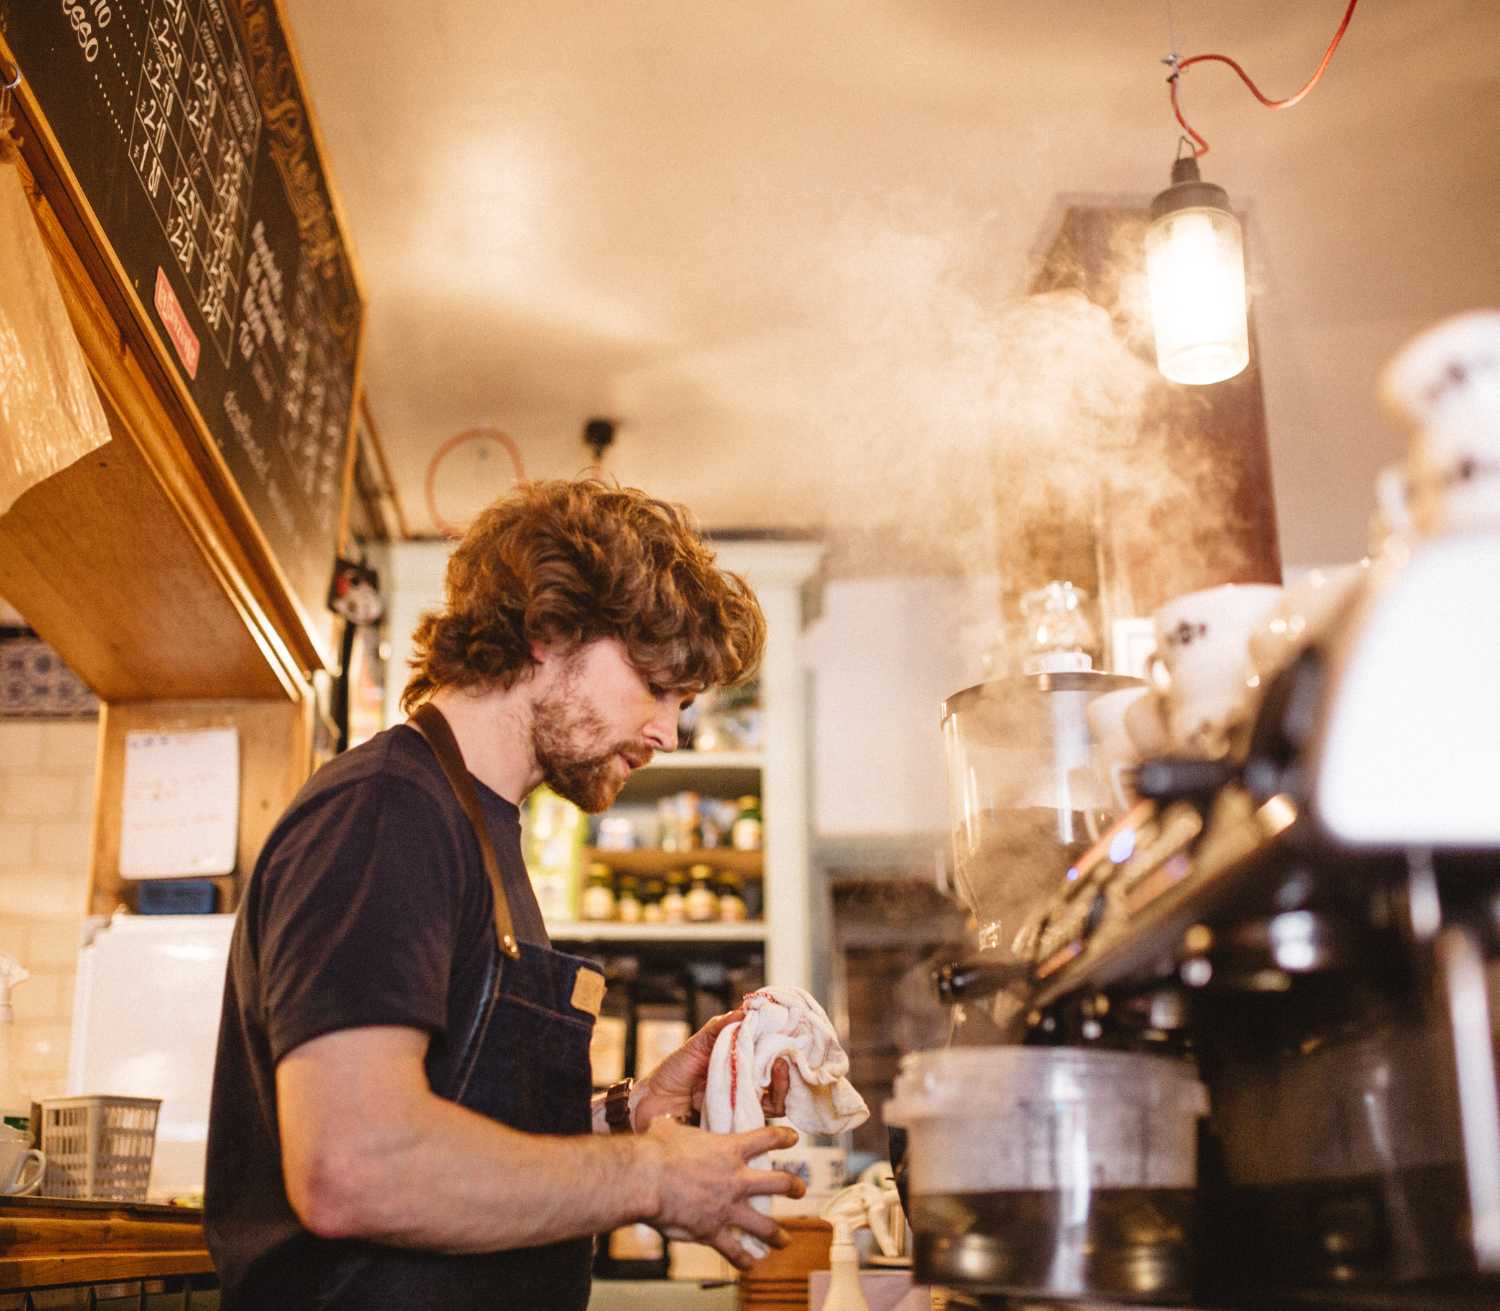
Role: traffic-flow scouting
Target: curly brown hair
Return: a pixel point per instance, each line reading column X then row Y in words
column 565, row 562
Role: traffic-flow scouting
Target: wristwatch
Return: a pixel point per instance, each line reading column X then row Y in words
column 617, row 1106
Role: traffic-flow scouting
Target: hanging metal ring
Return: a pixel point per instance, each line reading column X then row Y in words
column 11, row 74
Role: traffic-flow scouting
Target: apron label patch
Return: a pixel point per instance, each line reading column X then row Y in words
column 588, row 991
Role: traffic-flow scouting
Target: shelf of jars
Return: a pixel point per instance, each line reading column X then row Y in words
column 709, row 761
column 714, row 931
column 654, row 860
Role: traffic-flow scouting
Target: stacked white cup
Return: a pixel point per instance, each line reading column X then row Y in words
column 1202, row 661
column 1444, row 386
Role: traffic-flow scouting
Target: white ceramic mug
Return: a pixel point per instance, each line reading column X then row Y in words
column 1445, row 386
column 820, row 1168
column 16, row 1154
column 1202, row 655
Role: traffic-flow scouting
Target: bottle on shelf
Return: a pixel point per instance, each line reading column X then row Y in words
column 652, row 892
column 732, row 908
column 674, row 899
column 702, row 902
column 745, row 834
column 677, row 816
column 628, row 899
column 598, row 902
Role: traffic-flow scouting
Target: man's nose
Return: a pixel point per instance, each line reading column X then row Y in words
column 661, row 729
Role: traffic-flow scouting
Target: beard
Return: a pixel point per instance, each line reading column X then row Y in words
column 566, row 733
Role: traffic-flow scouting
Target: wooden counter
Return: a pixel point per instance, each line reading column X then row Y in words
column 50, row 1240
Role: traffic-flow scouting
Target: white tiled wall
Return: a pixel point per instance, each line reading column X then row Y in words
column 46, row 806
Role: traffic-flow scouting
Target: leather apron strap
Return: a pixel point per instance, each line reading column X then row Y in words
column 428, row 720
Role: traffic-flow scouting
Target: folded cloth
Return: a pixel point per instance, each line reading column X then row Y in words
column 780, row 1024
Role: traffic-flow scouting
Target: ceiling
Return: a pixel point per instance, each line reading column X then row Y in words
column 779, row 242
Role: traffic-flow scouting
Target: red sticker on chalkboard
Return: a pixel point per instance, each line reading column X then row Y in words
column 184, row 339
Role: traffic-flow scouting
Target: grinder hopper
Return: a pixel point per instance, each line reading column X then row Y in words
column 1024, row 795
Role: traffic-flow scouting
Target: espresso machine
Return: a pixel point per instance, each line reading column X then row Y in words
column 1246, row 1040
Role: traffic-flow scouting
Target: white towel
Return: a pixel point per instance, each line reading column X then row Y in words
column 779, row 1023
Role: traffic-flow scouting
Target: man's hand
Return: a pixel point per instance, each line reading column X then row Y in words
column 703, row 1185
column 675, row 1087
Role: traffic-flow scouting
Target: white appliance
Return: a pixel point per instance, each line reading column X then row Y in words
column 146, row 1024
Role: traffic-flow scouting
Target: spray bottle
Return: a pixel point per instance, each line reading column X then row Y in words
column 846, row 1212
column 15, row 1105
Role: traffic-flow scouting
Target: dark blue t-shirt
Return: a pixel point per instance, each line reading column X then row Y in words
column 369, row 905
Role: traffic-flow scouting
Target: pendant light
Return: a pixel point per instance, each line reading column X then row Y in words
column 1195, row 254
column 1195, row 268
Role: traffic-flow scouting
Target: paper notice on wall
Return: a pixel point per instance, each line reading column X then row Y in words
column 181, row 808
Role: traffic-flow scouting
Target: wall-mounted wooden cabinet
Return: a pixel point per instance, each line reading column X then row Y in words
column 181, row 568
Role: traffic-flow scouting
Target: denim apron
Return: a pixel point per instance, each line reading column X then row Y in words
column 523, row 1062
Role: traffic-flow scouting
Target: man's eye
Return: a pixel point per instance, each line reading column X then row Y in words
column 687, row 701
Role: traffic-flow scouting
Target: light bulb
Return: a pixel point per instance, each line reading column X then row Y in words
column 1195, row 268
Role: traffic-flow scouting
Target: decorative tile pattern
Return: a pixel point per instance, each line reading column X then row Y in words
column 34, row 683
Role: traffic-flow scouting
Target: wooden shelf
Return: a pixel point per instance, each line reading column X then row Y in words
column 650, row 860
column 611, row 931
column 676, row 761
column 717, row 773
column 48, row 1241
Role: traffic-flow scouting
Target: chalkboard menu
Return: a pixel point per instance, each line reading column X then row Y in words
column 186, row 128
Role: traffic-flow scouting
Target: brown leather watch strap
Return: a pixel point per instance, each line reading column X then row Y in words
column 429, row 721
column 617, row 1106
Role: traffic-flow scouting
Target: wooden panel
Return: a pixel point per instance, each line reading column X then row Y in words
column 101, row 567
column 275, row 752
column 48, row 1241
column 29, row 1237
column 176, row 502
column 45, row 1271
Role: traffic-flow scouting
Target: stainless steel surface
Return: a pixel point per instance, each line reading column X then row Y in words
column 1135, row 1244
column 1462, row 965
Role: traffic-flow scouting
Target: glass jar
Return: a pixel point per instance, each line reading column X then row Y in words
column 628, row 900
column 702, row 900
column 651, row 899
column 674, row 898
column 599, row 894
column 732, row 908
column 745, row 835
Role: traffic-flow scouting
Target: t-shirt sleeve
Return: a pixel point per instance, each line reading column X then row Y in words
column 358, row 916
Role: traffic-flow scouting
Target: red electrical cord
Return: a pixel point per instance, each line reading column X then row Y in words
column 1200, row 146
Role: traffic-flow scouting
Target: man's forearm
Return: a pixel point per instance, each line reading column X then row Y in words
column 447, row 1179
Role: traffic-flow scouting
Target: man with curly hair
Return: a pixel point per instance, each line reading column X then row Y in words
column 402, row 1114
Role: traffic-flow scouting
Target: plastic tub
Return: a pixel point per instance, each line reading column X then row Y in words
column 1052, row 1171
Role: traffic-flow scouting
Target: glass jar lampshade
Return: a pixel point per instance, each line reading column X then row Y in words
column 1195, row 268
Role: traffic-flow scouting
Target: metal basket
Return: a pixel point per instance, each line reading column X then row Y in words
column 99, row 1147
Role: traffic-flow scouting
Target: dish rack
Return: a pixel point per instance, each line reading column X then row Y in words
column 99, row 1147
